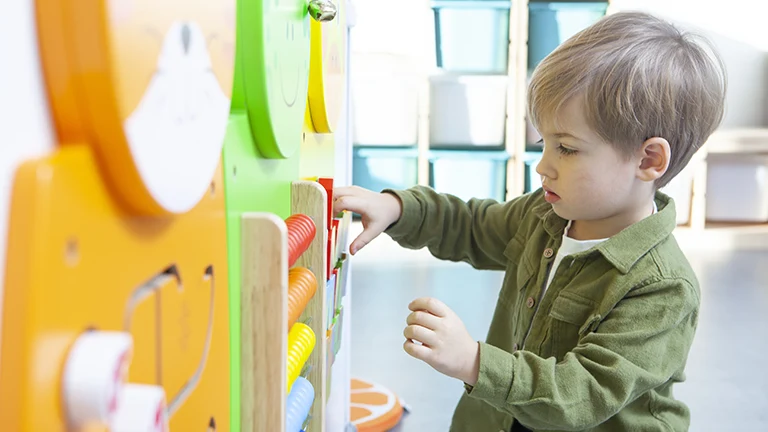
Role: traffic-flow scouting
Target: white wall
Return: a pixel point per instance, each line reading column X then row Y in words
column 738, row 30
column 26, row 130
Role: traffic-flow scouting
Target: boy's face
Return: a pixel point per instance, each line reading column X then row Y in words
column 585, row 178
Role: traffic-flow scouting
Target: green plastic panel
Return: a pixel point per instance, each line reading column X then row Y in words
column 261, row 151
column 273, row 46
column 265, row 150
column 252, row 184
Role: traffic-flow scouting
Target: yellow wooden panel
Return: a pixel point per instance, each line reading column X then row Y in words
column 75, row 260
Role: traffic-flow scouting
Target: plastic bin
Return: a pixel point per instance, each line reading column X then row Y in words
column 737, row 188
column 469, row 174
column 552, row 23
column 467, row 110
column 472, row 36
column 378, row 169
column 385, row 100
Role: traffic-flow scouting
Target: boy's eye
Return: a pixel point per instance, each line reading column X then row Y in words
column 565, row 150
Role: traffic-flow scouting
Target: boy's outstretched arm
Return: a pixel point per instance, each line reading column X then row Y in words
column 476, row 232
column 642, row 344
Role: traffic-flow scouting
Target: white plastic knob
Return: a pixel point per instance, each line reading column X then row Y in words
column 142, row 409
column 93, row 375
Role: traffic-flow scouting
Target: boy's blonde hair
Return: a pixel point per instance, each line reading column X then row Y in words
column 640, row 77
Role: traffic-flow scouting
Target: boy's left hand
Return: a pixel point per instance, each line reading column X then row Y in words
column 445, row 343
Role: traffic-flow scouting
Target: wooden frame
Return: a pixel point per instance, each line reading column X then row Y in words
column 516, row 118
column 309, row 198
column 264, row 298
column 264, row 339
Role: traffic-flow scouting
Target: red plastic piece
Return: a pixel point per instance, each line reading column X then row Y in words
column 327, row 184
column 301, row 232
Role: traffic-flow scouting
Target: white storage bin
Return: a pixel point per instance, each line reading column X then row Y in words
column 737, row 188
column 385, row 100
column 397, row 27
column 472, row 36
column 469, row 174
column 467, row 110
column 385, row 112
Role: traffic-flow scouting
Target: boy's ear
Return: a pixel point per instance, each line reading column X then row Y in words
column 655, row 155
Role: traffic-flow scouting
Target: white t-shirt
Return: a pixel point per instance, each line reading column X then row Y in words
column 571, row 246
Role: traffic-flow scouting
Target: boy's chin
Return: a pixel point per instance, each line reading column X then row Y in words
column 568, row 214
column 560, row 211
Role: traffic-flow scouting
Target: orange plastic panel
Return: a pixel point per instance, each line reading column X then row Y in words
column 77, row 261
column 148, row 84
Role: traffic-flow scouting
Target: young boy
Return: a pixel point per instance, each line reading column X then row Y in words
column 599, row 306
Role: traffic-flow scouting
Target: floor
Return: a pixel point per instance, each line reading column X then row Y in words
column 727, row 386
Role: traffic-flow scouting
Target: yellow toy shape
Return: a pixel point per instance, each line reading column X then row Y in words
column 327, row 71
column 76, row 262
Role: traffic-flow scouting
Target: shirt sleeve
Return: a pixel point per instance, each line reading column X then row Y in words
column 476, row 232
column 642, row 343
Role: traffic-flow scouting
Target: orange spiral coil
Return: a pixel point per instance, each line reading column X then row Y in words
column 302, row 285
column 301, row 232
column 301, row 342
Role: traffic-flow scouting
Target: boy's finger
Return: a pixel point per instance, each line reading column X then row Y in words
column 350, row 203
column 365, row 237
column 424, row 319
column 420, row 352
column 421, row 334
column 345, row 191
column 431, row 305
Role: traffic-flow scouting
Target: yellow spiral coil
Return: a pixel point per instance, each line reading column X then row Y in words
column 301, row 342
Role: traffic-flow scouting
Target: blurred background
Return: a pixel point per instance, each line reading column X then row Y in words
column 437, row 99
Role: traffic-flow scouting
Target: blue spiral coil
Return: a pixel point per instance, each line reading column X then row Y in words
column 298, row 404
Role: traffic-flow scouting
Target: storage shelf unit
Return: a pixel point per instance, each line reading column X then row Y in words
column 471, row 97
column 449, row 82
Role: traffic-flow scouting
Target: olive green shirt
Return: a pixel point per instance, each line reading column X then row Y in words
column 602, row 347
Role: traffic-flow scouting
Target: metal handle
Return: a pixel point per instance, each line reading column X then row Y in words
column 322, row 10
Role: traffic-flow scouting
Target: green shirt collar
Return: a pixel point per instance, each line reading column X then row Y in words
column 625, row 248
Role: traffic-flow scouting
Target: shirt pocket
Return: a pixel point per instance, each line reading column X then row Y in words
column 571, row 317
column 518, row 273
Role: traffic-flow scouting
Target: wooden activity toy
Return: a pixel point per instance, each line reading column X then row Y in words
column 118, row 233
column 168, row 259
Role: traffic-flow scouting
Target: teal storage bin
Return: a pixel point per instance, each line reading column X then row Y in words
column 552, row 23
column 472, row 36
column 382, row 168
column 469, row 174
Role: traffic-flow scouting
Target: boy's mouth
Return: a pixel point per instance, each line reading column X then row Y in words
column 550, row 196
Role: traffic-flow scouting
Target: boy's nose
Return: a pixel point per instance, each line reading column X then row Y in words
column 544, row 168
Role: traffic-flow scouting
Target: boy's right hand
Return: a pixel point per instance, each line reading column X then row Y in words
column 378, row 211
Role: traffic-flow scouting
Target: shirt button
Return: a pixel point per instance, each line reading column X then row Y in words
column 548, row 252
column 530, row 302
column 514, row 347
